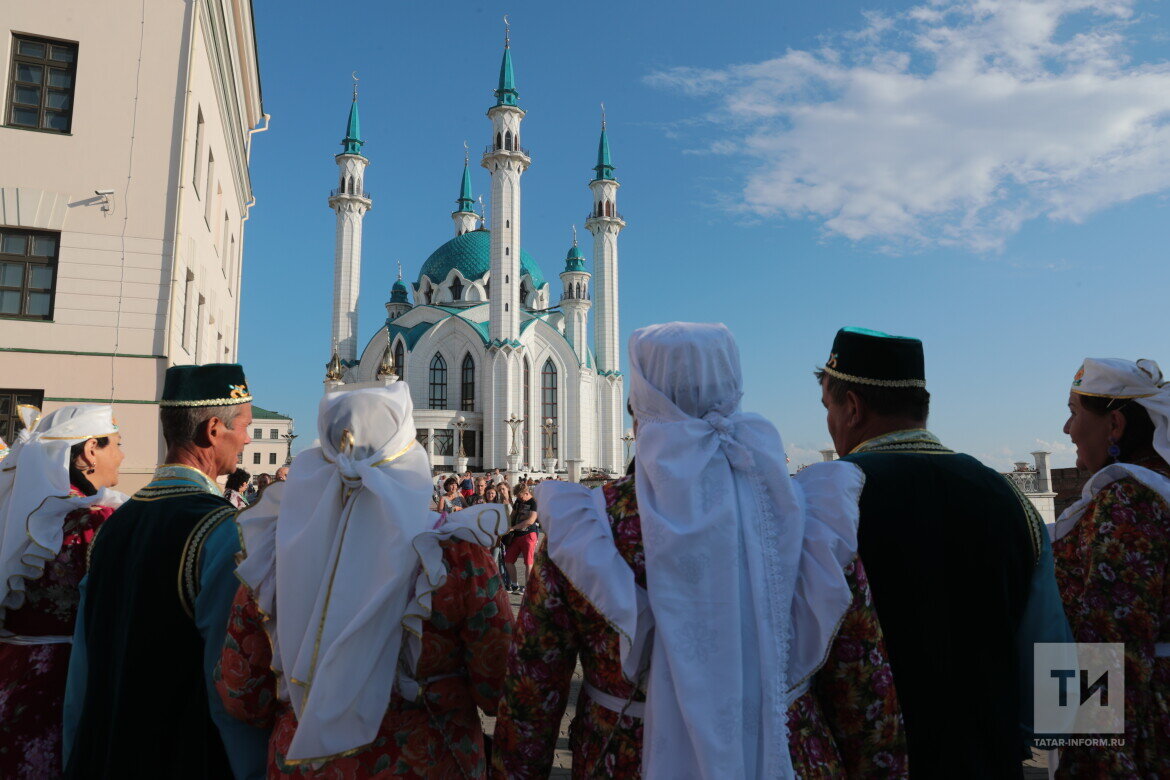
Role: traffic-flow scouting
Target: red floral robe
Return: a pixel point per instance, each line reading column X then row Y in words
column 466, row 637
column 1113, row 570
column 32, row 677
column 848, row 724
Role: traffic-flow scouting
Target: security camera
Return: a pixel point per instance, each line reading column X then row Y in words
column 103, row 192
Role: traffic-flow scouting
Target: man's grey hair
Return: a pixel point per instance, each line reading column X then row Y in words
column 181, row 423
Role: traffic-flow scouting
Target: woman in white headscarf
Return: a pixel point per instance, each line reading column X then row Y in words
column 54, row 496
column 1112, row 551
column 722, row 621
column 368, row 628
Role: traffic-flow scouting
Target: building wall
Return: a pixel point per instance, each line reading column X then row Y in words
column 269, row 443
column 133, row 268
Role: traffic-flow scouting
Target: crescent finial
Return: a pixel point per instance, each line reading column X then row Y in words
column 353, row 75
column 507, row 31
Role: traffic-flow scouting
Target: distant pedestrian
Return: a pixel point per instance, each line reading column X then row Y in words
column 523, row 535
column 234, row 487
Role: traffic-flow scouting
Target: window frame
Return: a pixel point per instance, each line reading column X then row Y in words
column 550, row 391
column 28, row 260
column 467, row 384
column 443, row 442
column 437, row 379
column 17, row 397
column 45, row 63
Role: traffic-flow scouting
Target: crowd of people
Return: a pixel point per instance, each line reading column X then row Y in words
column 873, row 616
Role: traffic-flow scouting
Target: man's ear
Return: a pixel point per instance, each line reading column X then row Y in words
column 855, row 410
column 210, row 431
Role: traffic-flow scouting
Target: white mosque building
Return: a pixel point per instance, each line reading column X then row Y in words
column 494, row 363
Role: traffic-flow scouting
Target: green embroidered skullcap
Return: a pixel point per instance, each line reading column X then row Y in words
column 870, row 357
column 213, row 384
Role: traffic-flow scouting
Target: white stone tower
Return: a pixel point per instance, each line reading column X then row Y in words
column 465, row 217
column 605, row 223
column 506, row 161
column 575, row 301
column 351, row 202
column 398, row 304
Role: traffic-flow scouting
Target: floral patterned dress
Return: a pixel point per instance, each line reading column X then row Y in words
column 464, row 651
column 848, row 723
column 32, row 676
column 1112, row 568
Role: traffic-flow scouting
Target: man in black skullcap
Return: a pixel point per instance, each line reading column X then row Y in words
column 141, row 701
column 958, row 560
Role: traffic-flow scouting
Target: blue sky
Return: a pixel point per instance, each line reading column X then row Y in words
column 989, row 177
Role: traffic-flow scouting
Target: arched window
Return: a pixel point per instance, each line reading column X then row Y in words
column 438, row 382
column 508, row 140
column 456, row 289
column 524, row 442
column 523, row 292
column 467, row 397
column 400, row 360
column 498, row 144
column 548, row 399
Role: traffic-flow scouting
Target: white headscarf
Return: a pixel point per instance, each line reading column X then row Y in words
column 724, row 532
column 35, row 492
column 1140, row 382
column 344, row 565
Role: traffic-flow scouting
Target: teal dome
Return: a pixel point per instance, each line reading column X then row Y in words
column 471, row 254
column 398, row 293
column 574, row 261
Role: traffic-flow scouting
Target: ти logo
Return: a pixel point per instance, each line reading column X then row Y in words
column 1079, row 688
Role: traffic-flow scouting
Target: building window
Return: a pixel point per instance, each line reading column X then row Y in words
column 272, row 459
column 468, row 384
column 10, row 423
column 469, row 443
column 188, row 288
column 40, row 87
column 240, row 459
column 274, row 433
column 256, row 458
column 210, row 180
column 443, row 442
column 524, row 442
column 548, row 399
column 28, row 271
column 438, row 382
column 257, row 433
column 456, row 289
column 400, row 361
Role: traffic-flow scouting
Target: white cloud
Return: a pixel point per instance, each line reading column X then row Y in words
column 950, row 124
column 799, row 455
column 1062, row 454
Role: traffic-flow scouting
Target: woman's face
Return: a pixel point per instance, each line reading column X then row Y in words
column 489, row 495
column 106, row 461
column 451, row 487
column 1091, row 432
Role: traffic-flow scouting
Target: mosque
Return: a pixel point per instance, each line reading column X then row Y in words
column 501, row 375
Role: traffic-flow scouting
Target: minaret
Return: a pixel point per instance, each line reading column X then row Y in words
column 465, row 217
column 605, row 223
column 351, row 202
column 575, row 299
column 506, row 161
column 398, row 304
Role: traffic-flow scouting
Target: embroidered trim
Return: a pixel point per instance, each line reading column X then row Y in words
column 1116, row 397
column 192, row 556
column 912, row 440
column 247, row 399
column 1033, row 519
column 875, row 382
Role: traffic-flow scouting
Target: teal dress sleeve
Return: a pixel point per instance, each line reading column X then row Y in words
column 246, row 746
column 76, row 681
column 1043, row 621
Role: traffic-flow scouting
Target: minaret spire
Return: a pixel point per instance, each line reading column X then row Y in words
column 506, row 93
column 464, row 215
column 350, row 201
column 604, row 167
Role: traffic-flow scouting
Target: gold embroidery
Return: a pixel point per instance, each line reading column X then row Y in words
column 875, row 382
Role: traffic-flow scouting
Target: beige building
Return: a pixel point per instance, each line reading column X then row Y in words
column 271, row 445
column 124, row 190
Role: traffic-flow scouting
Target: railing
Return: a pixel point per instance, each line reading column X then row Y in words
column 335, row 193
column 492, row 149
column 615, row 215
column 1026, row 481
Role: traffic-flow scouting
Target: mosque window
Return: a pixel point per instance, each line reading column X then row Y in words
column 523, row 292
column 438, row 383
column 548, row 398
column 467, row 396
column 499, row 144
column 28, row 271
column 40, row 88
column 508, row 140
column 456, row 289
column 400, row 360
